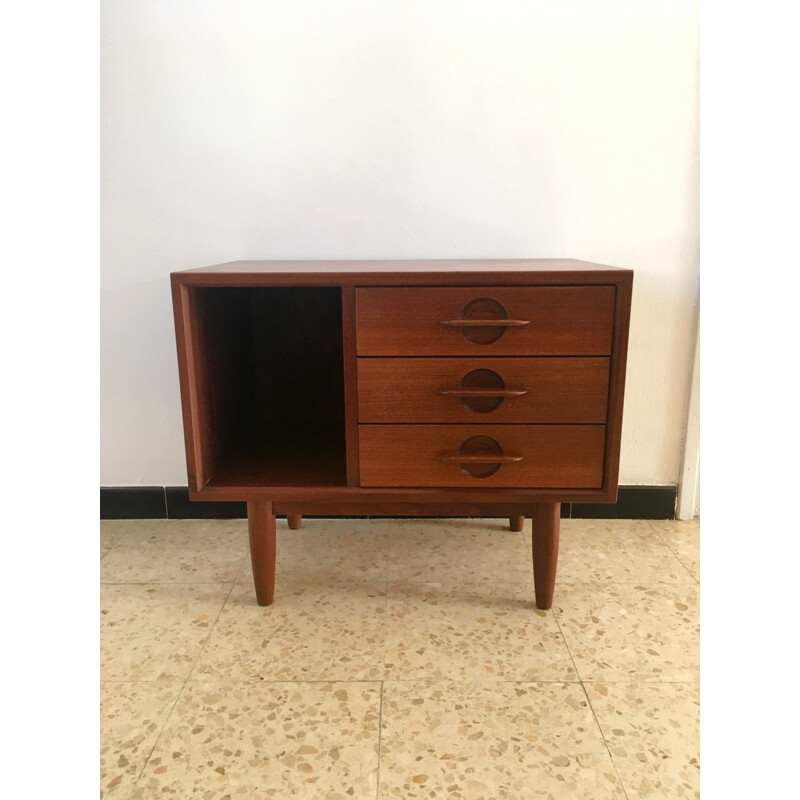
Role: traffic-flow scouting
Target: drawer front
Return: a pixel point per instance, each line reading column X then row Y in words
column 483, row 390
column 510, row 456
column 541, row 320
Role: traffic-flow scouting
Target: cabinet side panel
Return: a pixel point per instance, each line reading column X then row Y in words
column 188, row 384
column 616, row 393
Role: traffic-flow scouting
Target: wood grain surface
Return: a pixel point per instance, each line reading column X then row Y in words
column 567, row 390
column 563, row 456
column 562, row 320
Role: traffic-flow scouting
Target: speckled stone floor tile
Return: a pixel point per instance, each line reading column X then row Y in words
column 155, row 632
column 176, row 551
column 653, row 732
column 683, row 538
column 318, row 628
column 454, row 551
column 615, row 551
column 131, row 717
column 315, row 741
column 112, row 529
column 472, row 631
column 487, row 740
column 327, row 547
column 631, row 632
column 481, row 695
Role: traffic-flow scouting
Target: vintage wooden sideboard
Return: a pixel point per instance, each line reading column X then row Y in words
column 409, row 388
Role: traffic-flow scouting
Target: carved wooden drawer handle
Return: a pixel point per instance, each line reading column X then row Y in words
column 483, row 392
column 485, row 323
column 480, row 456
column 457, row 459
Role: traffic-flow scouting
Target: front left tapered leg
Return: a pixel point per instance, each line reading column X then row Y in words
column 261, row 524
column 546, row 524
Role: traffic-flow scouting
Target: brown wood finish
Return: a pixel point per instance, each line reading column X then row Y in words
column 187, row 373
column 303, row 455
column 294, row 521
column 619, row 359
column 376, row 388
column 546, row 524
column 351, row 390
column 422, row 272
column 324, row 508
column 384, row 495
column 261, row 526
column 568, row 456
column 516, row 522
column 566, row 390
column 562, row 320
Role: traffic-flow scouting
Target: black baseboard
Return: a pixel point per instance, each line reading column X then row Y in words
column 133, row 502
column 172, row 502
column 633, row 502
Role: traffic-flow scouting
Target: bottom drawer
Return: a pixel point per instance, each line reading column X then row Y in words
column 512, row 456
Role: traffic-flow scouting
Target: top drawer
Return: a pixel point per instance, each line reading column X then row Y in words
column 540, row 320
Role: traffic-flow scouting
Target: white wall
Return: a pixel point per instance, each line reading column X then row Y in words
column 395, row 129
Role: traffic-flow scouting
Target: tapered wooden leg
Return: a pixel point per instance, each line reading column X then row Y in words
column 516, row 523
column 261, row 523
column 546, row 524
column 295, row 521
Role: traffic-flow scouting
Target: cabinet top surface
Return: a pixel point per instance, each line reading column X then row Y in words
column 378, row 272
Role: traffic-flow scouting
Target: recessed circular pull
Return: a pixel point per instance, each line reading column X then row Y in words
column 481, row 379
column 483, row 321
column 482, row 391
column 480, row 456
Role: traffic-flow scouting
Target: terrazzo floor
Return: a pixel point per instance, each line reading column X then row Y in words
column 401, row 659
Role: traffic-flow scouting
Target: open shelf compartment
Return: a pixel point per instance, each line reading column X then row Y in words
column 268, row 366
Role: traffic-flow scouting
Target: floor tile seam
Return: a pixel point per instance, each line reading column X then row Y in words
column 216, row 584
column 162, row 583
column 680, row 561
column 458, row 581
column 157, row 739
column 590, row 679
column 385, row 623
column 664, row 538
column 210, row 633
column 591, row 707
column 605, row 741
column 628, row 682
column 429, row 681
column 566, row 644
column 572, row 582
column 245, row 558
column 380, row 742
column 166, row 681
column 178, row 696
column 689, row 582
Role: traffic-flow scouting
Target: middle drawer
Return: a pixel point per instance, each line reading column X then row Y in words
column 498, row 390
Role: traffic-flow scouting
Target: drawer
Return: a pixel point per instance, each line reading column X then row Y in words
column 511, row 456
column 485, row 390
column 538, row 320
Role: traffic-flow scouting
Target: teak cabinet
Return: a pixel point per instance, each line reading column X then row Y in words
column 418, row 388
